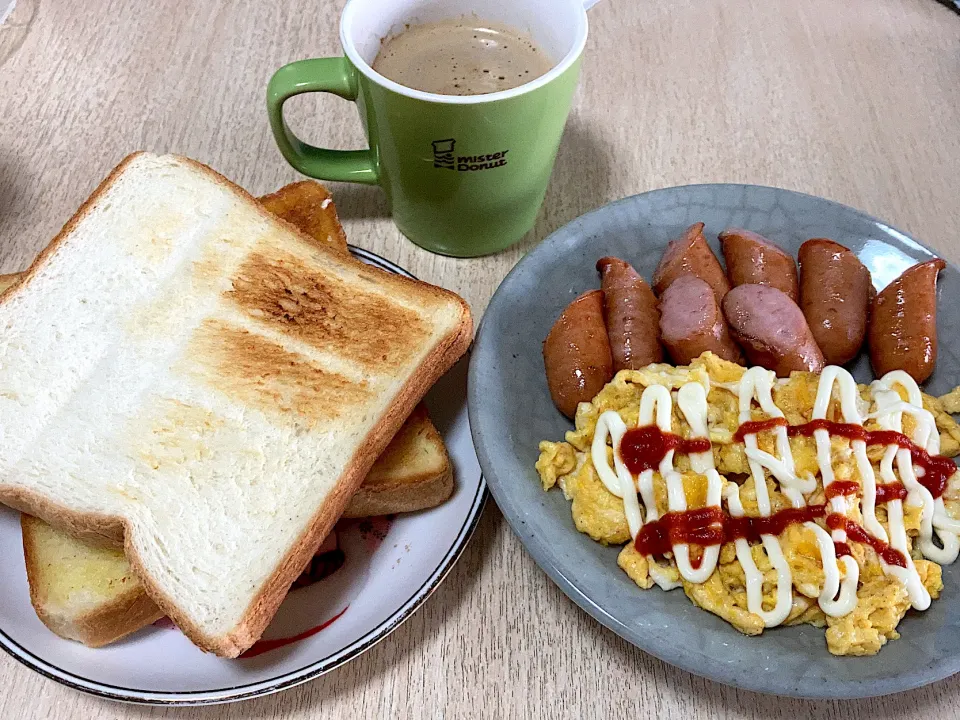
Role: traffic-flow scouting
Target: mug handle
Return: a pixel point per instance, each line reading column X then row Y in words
column 332, row 75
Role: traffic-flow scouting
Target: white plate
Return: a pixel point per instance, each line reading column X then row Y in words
column 390, row 568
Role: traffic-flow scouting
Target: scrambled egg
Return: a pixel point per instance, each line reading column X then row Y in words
column 882, row 600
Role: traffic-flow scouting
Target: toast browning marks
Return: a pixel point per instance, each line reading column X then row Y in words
column 90, row 594
column 117, row 414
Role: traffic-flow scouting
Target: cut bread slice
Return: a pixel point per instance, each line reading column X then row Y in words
column 81, row 591
column 183, row 371
column 89, row 593
column 413, row 473
column 307, row 205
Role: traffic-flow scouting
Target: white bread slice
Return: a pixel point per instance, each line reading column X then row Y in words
column 184, row 372
column 89, row 593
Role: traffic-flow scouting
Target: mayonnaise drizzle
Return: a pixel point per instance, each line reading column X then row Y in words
column 889, row 416
column 758, row 383
column 838, row 595
column 829, row 602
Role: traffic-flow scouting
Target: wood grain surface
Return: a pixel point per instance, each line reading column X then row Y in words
column 854, row 100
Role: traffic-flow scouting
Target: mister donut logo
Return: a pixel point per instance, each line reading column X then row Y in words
column 445, row 158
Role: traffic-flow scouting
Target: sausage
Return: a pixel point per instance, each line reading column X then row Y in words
column 903, row 323
column 691, row 322
column 753, row 260
column 772, row 329
column 690, row 255
column 577, row 355
column 631, row 315
column 835, row 296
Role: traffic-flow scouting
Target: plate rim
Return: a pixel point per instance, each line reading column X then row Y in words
column 843, row 690
column 292, row 678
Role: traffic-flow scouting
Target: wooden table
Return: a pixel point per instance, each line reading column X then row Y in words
column 858, row 101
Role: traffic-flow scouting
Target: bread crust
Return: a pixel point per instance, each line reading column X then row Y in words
column 266, row 602
column 108, row 622
column 308, row 207
column 386, row 494
column 426, row 490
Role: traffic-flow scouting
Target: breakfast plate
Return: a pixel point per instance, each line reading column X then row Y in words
column 365, row 581
column 507, row 364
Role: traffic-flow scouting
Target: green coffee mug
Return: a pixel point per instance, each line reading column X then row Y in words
column 464, row 175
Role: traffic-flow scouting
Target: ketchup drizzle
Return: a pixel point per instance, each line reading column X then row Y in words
column 937, row 469
column 644, row 448
column 890, row 555
column 752, row 427
column 841, row 487
column 841, row 548
column 890, row 491
column 851, row 431
column 713, row 526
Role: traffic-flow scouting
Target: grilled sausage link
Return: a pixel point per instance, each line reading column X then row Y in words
column 903, row 323
column 631, row 315
column 753, row 260
column 772, row 329
column 690, row 255
column 576, row 353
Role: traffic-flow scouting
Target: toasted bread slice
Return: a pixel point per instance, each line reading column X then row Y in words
column 89, row 593
column 8, row 280
column 183, row 371
column 307, row 205
column 413, row 473
column 81, row 591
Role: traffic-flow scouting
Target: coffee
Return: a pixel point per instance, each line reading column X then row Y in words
column 467, row 56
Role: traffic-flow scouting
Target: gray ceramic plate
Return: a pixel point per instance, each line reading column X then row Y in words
column 511, row 411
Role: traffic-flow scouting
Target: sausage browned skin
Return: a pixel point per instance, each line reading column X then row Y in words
column 690, row 255
column 631, row 314
column 903, row 323
column 691, row 322
column 753, row 260
column 835, row 295
column 576, row 353
column 771, row 329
